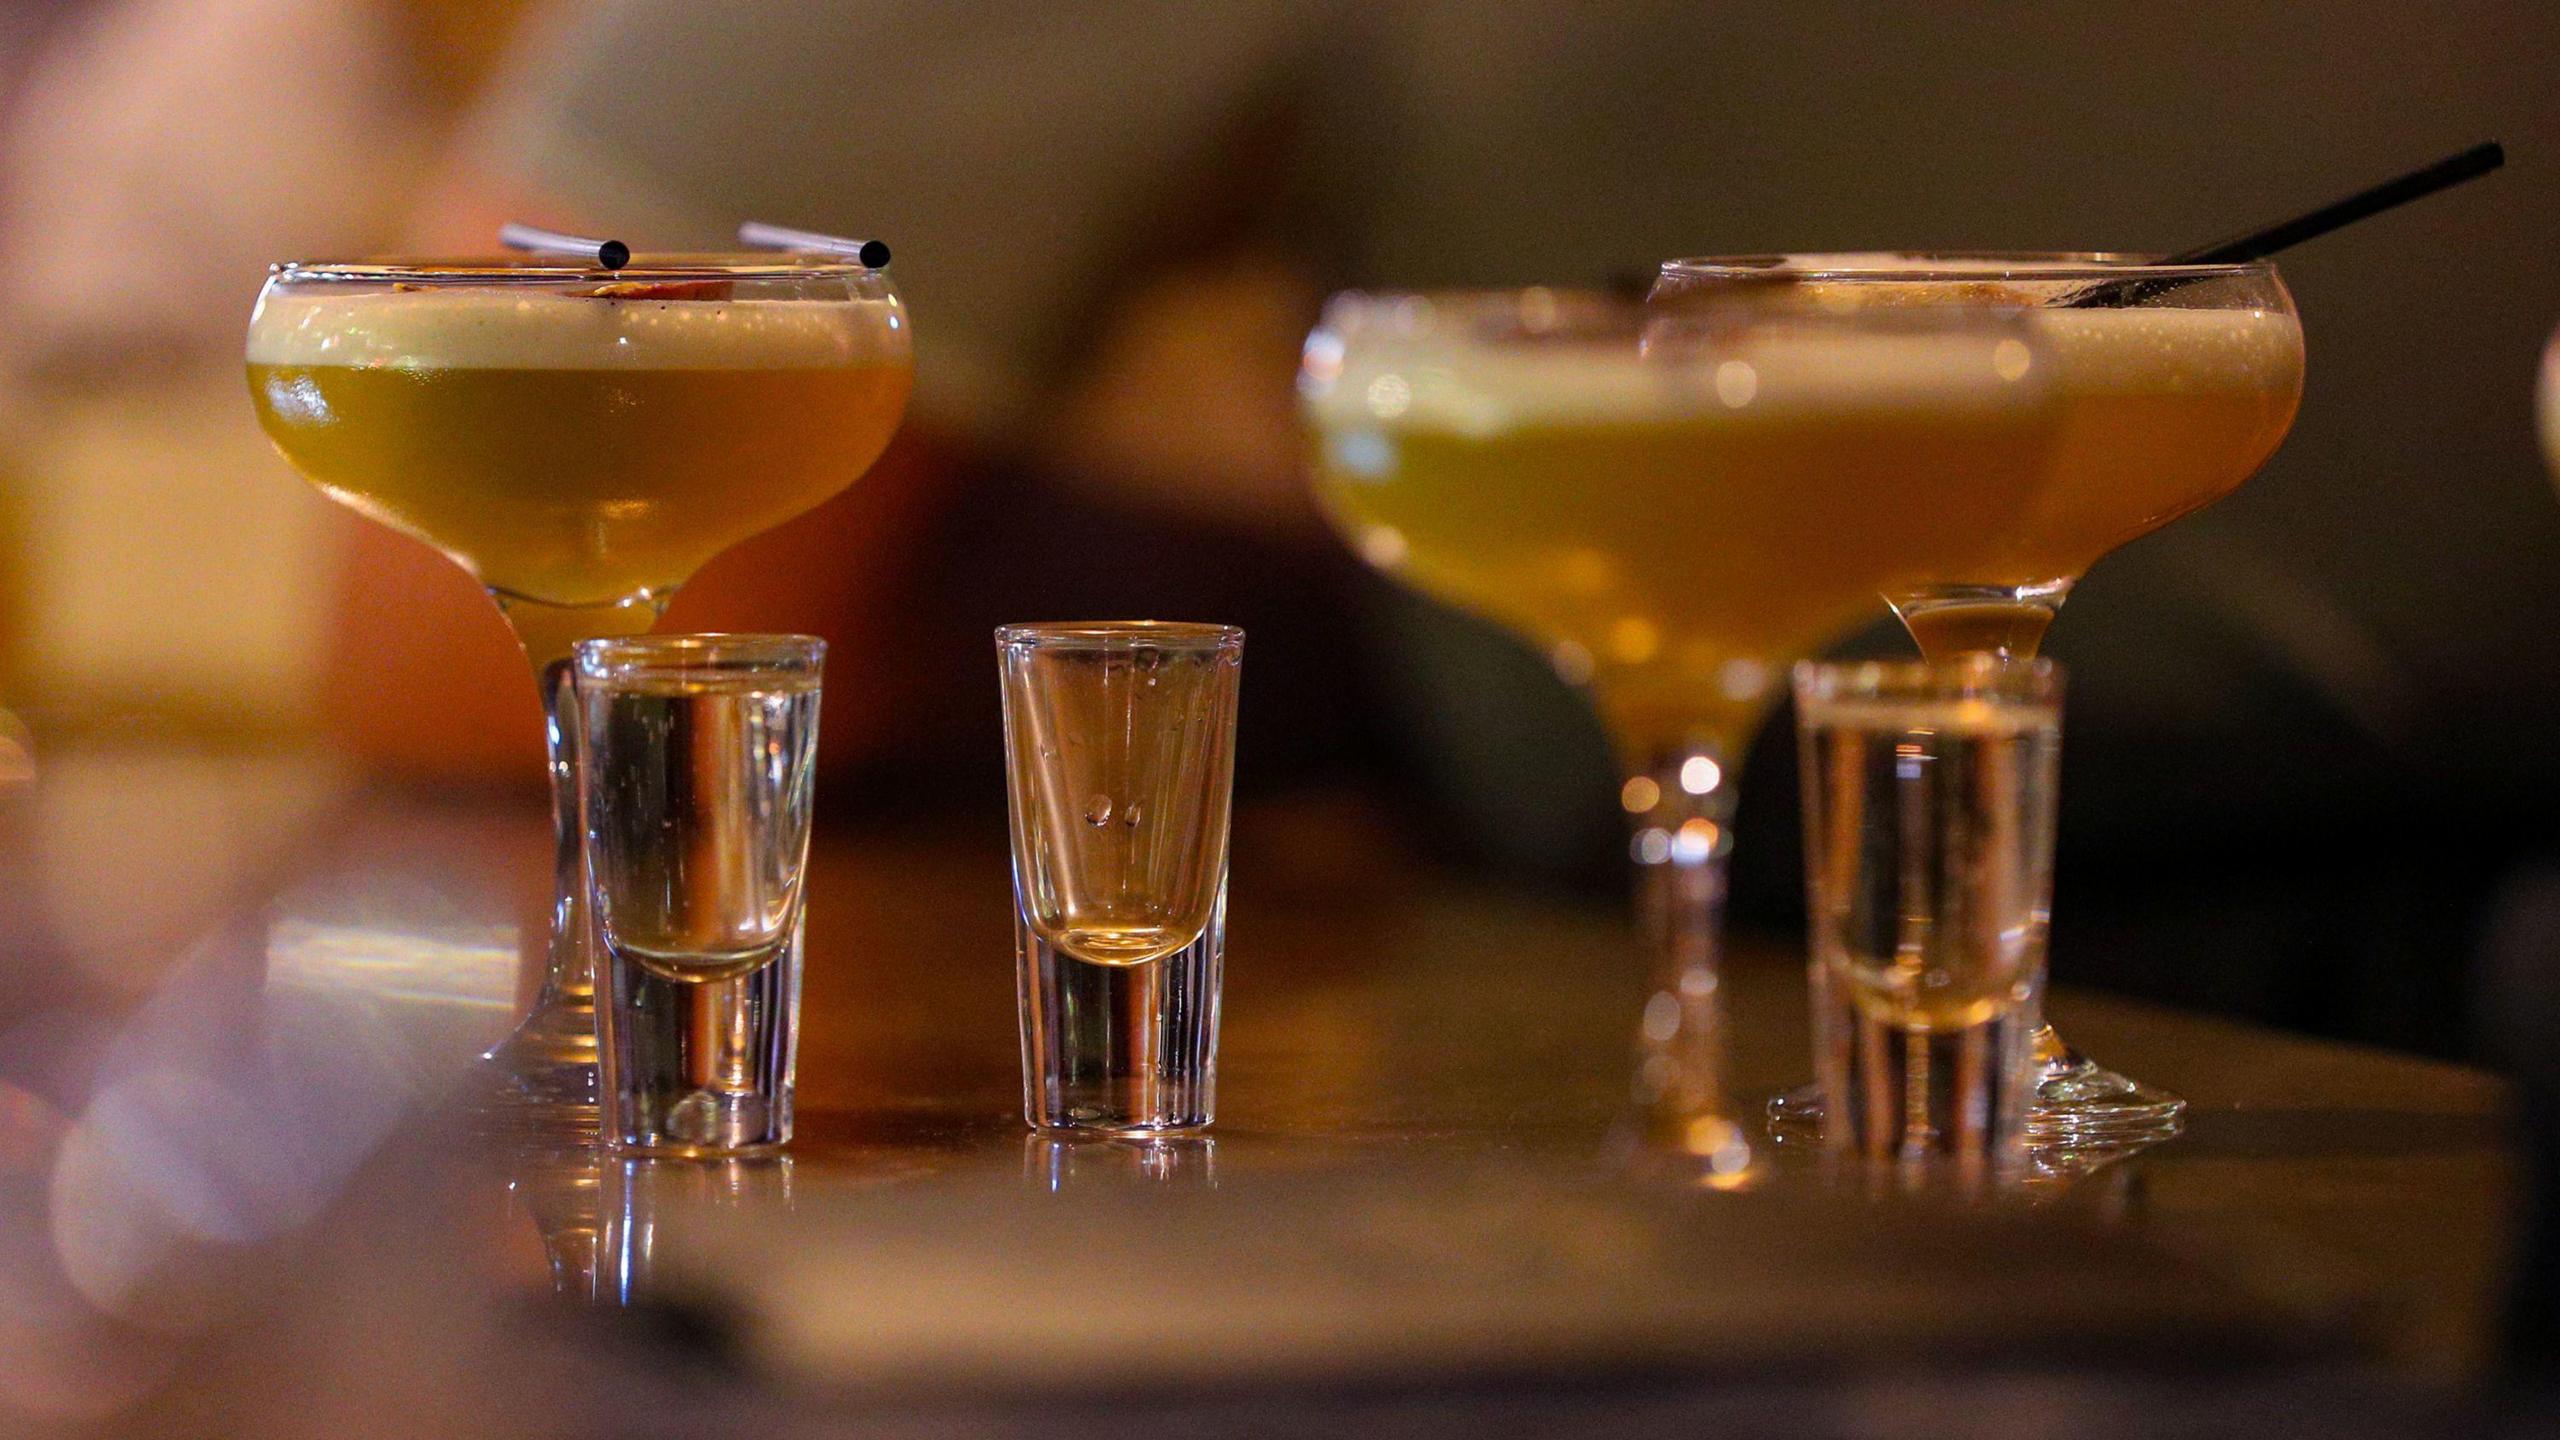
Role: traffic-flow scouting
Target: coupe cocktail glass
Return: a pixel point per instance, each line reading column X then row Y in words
column 1671, row 507
column 581, row 441
column 2171, row 393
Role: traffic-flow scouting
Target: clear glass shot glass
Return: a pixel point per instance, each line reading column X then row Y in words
column 1120, row 759
column 1929, row 816
column 695, row 793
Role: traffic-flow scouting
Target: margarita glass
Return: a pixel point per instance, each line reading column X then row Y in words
column 581, row 441
column 1671, row 508
column 2174, row 384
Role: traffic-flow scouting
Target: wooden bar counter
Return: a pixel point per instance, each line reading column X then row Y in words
column 266, row 1214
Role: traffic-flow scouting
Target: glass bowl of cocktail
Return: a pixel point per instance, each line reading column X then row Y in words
column 582, row 441
column 1672, row 504
column 2173, row 383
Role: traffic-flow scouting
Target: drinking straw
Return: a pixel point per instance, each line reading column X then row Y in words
column 608, row 254
column 2266, row 240
column 871, row 253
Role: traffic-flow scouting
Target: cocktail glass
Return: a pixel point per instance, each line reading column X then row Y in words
column 2174, row 383
column 581, row 441
column 1671, row 507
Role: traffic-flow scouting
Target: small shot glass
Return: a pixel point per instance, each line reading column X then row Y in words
column 700, row 758
column 1928, row 831
column 1119, row 759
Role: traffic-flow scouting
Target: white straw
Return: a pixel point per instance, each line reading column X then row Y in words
column 870, row 253
column 610, row 254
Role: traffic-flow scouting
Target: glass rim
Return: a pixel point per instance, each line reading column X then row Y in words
column 1119, row 634
column 1978, row 677
column 1941, row 266
column 1488, row 297
column 648, row 657
column 535, row 269
column 1537, row 313
column 1523, row 312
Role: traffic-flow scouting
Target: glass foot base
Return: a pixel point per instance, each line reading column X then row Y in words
column 1796, row 1115
column 2079, row 1105
column 2079, row 1101
column 540, row 1082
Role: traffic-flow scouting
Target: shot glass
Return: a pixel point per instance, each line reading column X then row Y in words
column 1929, row 803
column 1119, row 759
column 700, row 758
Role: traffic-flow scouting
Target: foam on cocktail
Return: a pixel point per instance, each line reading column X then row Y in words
column 495, row 329
column 1744, row 374
column 2164, row 407
column 1677, row 523
column 2173, row 350
column 581, row 454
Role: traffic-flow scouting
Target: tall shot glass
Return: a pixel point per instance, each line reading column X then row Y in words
column 1929, row 815
column 700, row 761
column 1120, row 758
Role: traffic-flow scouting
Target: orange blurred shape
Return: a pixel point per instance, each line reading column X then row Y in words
column 425, row 681
column 17, row 752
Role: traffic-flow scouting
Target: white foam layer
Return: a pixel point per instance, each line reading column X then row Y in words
column 2151, row 348
column 1476, row 389
column 1415, row 383
column 2173, row 351
column 494, row 329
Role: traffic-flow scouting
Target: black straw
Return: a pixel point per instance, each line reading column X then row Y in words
column 2418, row 184
column 2266, row 240
column 872, row 254
column 609, row 254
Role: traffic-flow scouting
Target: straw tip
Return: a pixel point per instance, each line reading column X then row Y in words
column 613, row 254
column 874, row 254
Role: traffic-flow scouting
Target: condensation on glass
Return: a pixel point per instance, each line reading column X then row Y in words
column 1120, row 758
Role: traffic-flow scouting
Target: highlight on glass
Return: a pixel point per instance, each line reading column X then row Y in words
column 697, row 789
column 1120, row 762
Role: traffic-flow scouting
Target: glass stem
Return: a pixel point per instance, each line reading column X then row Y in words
column 569, row 981
column 561, row 1030
column 1681, row 808
column 1949, row 621
column 551, row 1057
column 1953, row 620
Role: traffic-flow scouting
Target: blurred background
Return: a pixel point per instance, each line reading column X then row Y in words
column 2309, row 760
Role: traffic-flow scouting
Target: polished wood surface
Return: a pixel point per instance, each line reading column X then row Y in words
column 1383, row 1019
column 1378, row 1012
